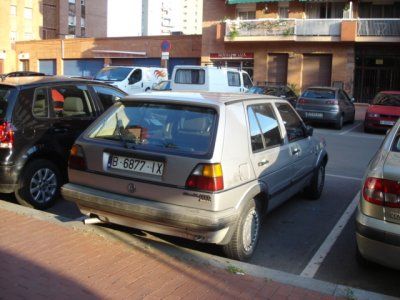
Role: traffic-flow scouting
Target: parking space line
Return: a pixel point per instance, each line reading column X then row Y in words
column 312, row 267
column 344, row 177
column 352, row 128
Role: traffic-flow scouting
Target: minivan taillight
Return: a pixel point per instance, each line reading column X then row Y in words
column 206, row 177
column 77, row 158
column 6, row 135
column 382, row 192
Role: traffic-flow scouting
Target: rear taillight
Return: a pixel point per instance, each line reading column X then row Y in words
column 331, row 102
column 77, row 158
column 302, row 101
column 206, row 177
column 6, row 135
column 382, row 192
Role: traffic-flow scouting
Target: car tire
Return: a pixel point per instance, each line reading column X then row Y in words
column 245, row 237
column 339, row 123
column 314, row 190
column 39, row 184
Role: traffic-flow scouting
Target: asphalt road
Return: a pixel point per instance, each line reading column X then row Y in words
column 294, row 232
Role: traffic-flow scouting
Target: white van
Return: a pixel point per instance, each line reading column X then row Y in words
column 132, row 79
column 209, row 78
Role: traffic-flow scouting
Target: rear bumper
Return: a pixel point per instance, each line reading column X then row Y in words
column 328, row 116
column 8, row 178
column 194, row 224
column 378, row 240
column 374, row 124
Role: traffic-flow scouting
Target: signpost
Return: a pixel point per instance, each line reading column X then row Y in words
column 165, row 48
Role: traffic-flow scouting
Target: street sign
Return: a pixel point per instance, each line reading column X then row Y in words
column 165, row 46
column 164, row 55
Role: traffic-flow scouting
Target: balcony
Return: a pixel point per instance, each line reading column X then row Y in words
column 328, row 30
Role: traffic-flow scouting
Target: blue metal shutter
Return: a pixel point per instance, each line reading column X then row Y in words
column 147, row 62
column 48, row 66
column 82, row 67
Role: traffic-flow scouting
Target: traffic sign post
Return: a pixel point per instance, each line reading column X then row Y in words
column 165, row 48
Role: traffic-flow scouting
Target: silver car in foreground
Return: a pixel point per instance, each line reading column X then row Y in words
column 378, row 216
column 203, row 166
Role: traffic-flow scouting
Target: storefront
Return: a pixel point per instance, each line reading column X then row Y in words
column 238, row 60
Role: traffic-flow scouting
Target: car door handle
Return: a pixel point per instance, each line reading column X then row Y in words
column 60, row 130
column 263, row 162
column 295, row 151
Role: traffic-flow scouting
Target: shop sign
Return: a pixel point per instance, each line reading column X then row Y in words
column 232, row 55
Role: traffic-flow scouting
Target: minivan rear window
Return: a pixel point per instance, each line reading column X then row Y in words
column 190, row 76
column 319, row 94
column 5, row 92
column 161, row 127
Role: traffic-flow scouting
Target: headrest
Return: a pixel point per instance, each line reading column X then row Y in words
column 73, row 104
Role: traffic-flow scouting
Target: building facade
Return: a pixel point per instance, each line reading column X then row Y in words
column 74, row 18
column 305, row 43
column 20, row 20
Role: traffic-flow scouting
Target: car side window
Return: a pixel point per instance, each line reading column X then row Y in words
column 71, row 101
column 346, row 96
column 107, row 96
column 342, row 97
column 264, row 128
column 293, row 124
column 247, row 81
column 233, row 78
column 136, row 76
column 40, row 105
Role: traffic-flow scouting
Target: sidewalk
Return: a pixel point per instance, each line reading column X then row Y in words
column 41, row 259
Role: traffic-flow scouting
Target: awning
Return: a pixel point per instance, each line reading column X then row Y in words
column 253, row 1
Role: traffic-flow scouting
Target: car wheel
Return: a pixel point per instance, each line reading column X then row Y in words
column 39, row 185
column 314, row 190
column 339, row 123
column 247, row 231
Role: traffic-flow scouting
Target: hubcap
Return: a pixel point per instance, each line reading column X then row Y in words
column 250, row 230
column 43, row 185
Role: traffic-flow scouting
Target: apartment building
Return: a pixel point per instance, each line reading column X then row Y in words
column 74, row 18
column 304, row 43
column 157, row 17
column 191, row 16
column 20, row 20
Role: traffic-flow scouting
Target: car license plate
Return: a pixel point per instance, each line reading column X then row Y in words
column 136, row 165
column 390, row 123
column 314, row 115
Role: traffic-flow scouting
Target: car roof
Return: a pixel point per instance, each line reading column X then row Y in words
column 197, row 97
column 390, row 92
column 38, row 80
column 323, row 88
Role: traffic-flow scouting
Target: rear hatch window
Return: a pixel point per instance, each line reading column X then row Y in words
column 160, row 127
column 319, row 94
column 5, row 95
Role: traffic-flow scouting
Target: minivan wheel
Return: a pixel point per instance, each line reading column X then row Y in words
column 39, row 185
column 245, row 237
column 316, row 186
column 339, row 123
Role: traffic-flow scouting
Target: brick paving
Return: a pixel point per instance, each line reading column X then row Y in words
column 40, row 259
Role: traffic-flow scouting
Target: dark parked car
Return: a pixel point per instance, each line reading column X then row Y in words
column 326, row 104
column 384, row 111
column 281, row 91
column 40, row 118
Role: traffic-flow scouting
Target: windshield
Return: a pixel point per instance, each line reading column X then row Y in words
column 113, row 74
column 4, row 98
column 319, row 94
column 161, row 127
column 387, row 99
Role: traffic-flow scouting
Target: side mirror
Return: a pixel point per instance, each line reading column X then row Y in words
column 309, row 130
column 352, row 100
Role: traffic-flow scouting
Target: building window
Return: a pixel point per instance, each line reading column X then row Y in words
column 246, row 11
column 13, row 36
column 283, row 10
column 324, row 10
column 13, row 10
column 71, row 29
column 28, row 13
column 28, row 36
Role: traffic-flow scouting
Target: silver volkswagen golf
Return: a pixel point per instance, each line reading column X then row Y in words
column 378, row 216
column 203, row 166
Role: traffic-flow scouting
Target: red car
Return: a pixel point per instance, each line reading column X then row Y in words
column 384, row 111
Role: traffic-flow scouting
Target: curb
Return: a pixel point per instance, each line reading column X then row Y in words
column 200, row 258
